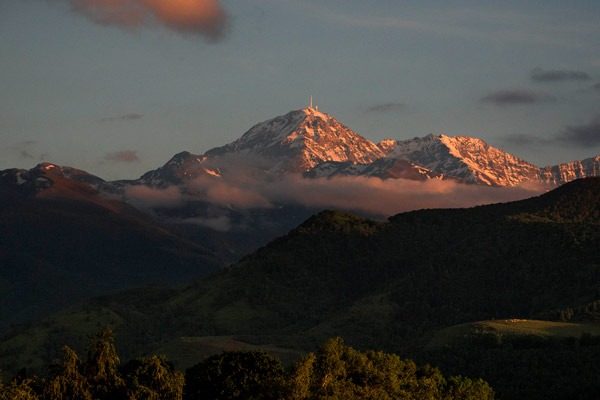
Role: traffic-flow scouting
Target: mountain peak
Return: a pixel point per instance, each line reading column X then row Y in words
column 300, row 140
column 465, row 158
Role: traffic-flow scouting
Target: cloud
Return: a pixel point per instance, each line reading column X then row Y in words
column 240, row 190
column 221, row 202
column 122, row 156
column 372, row 196
column 27, row 150
column 517, row 97
column 123, row 117
column 383, row 198
column 540, row 75
column 587, row 135
column 523, row 139
column 596, row 87
column 197, row 17
column 386, row 107
column 25, row 155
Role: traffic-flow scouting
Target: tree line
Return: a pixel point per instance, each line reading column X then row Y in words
column 334, row 371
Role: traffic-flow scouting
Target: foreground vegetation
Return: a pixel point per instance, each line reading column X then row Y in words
column 335, row 371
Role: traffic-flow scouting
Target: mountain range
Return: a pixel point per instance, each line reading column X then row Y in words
column 315, row 144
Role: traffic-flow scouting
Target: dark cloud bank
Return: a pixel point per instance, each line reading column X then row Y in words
column 540, row 75
column 517, row 97
column 585, row 135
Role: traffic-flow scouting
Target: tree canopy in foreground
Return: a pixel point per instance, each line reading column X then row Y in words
column 334, row 371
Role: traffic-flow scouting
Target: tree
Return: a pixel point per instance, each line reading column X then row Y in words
column 18, row 390
column 249, row 375
column 67, row 381
column 338, row 371
column 101, row 368
column 461, row 388
column 153, row 378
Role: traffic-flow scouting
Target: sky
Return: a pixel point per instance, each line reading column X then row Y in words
column 117, row 87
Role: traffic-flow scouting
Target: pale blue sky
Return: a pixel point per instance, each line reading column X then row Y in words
column 120, row 101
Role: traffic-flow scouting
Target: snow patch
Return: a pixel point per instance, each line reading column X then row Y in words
column 20, row 180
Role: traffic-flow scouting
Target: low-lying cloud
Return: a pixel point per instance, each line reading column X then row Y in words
column 517, row 97
column 370, row 196
column 197, row 17
column 540, row 75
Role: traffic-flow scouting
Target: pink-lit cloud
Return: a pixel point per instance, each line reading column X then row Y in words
column 373, row 196
column 388, row 197
column 201, row 17
column 241, row 189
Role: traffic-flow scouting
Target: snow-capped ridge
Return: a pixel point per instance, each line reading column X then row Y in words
column 314, row 143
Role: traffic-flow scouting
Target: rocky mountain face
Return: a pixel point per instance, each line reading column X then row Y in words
column 467, row 159
column 562, row 173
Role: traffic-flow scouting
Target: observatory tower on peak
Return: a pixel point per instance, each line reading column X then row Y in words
column 316, row 108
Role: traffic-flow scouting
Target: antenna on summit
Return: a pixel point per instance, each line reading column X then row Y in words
column 311, row 103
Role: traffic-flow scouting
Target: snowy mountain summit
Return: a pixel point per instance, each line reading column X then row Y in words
column 301, row 140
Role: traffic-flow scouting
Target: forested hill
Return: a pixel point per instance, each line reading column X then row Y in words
column 386, row 285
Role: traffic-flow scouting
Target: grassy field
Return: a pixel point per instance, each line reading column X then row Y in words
column 456, row 334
